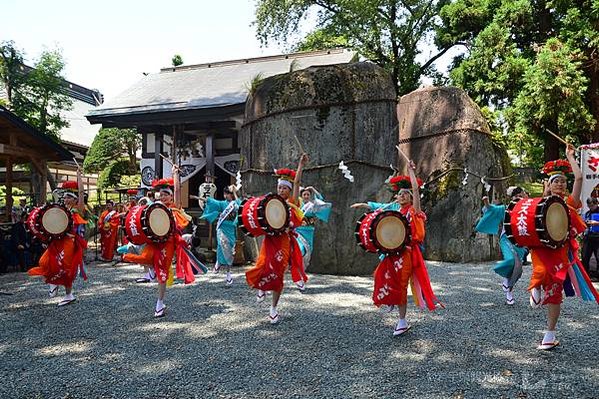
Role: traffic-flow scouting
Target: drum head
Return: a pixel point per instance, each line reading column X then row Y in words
column 275, row 213
column 55, row 221
column 159, row 222
column 390, row 232
column 557, row 221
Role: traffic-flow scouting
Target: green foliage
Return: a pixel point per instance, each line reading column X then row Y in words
column 534, row 64
column 322, row 39
column 252, row 85
column 177, row 60
column 533, row 189
column 11, row 74
column 554, row 90
column 16, row 193
column 112, row 144
column 39, row 96
column 130, row 180
column 390, row 33
column 110, row 176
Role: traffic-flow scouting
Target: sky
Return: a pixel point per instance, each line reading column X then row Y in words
column 108, row 44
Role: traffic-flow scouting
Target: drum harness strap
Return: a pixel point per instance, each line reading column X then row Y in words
column 108, row 217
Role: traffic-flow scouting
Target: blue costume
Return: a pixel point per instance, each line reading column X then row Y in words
column 226, row 228
column 316, row 209
column 513, row 256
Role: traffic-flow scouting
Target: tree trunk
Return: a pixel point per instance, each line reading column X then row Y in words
column 551, row 151
column 592, row 72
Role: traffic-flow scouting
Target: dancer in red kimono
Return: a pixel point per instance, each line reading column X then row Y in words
column 64, row 257
column 160, row 255
column 278, row 253
column 395, row 272
column 558, row 270
column 109, row 228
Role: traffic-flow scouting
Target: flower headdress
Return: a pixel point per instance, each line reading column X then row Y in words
column 559, row 167
column 167, row 185
column 396, row 183
column 286, row 177
column 70, row 187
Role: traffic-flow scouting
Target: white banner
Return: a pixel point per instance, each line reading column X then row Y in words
column 189, row 167
column 589, row 164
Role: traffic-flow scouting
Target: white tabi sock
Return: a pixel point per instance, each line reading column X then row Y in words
column 69, row 297
column 509, row 296
column 402, row 323
column 549, row 337
column 159, row 304
column 273, row 311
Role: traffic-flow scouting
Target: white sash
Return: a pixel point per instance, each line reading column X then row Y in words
column 232, row 205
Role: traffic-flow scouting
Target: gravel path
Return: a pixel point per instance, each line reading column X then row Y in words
column 216, row 342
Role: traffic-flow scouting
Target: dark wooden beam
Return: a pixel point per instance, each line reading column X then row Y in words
column 157, row 158
column 167, row 118
column 210, row 154
column 9, row 200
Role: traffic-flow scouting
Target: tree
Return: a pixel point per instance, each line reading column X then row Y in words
column 177, row 60
column 113, row 153
column 391, row 33
column 11, row 64
column 111, row 175
column 111, row 144
column 39, row 94
column 45, row 95
column 534, row 62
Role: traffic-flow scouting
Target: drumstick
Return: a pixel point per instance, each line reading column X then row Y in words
column 167, row 160
column 402, row 153
column 556, row 136
column 298, row 143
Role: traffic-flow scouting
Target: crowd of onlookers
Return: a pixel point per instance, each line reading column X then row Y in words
column 17, row 248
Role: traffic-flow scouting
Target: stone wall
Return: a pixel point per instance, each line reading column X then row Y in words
column 443, row 129
column 338, row 112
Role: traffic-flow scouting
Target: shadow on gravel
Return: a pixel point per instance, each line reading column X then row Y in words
column 215, row 341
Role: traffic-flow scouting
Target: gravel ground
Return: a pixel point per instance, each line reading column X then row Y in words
column 216, row 342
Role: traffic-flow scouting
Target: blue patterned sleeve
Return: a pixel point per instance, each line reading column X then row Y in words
column 491, row 220
column 390, row 206
column 213, row 209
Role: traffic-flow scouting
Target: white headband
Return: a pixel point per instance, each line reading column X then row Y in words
column 167, row 190
column 553, row 177
column 70, row 194
column 286, row 183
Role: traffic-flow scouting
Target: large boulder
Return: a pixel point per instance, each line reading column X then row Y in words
column 338, row 112
column 444, row 131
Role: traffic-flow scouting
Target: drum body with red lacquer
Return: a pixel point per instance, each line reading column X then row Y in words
column 264, row 215
column 383, row 231
column 149, row 223
column 33, row 226
column 50, row 222
column 538, row 222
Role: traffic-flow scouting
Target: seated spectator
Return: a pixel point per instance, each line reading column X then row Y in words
column 21, row 243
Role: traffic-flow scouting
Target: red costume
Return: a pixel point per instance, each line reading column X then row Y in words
column 558, row 270
column 279, row 252
column 109, row 228
column 160, row 255
column 395, row 272
column 63, row 257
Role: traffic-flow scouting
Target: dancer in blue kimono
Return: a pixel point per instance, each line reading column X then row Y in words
column 225, row 214
column 313, row 207
column 510, row 268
